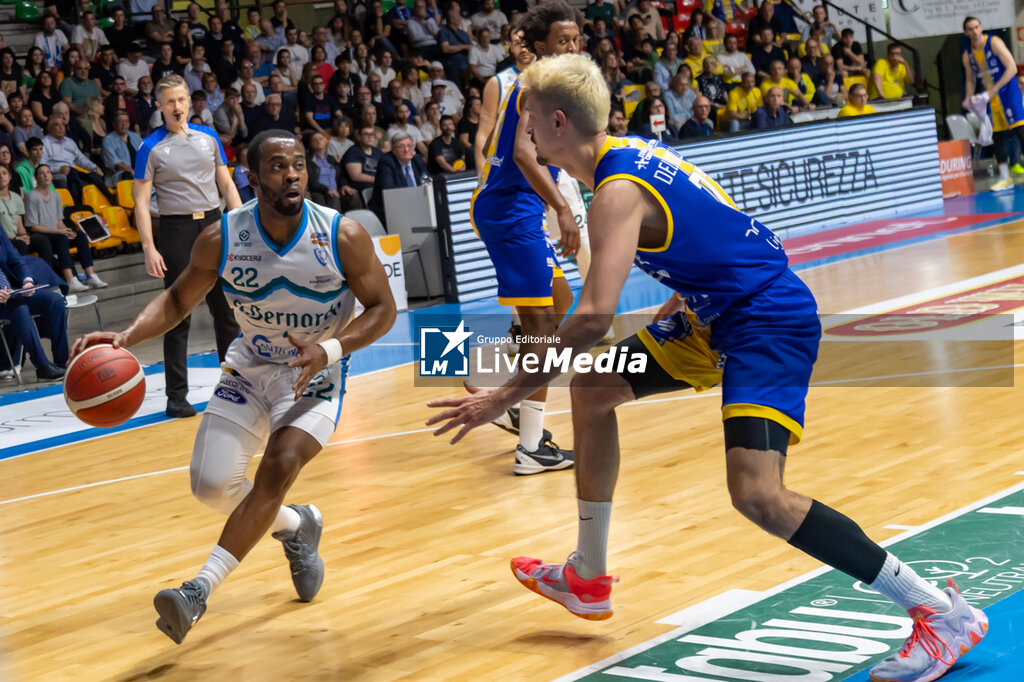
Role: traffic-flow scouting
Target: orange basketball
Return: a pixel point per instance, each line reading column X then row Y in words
column 104, row 386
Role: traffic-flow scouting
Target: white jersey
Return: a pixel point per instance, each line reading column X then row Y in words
column 506, row 79
column 298, row 288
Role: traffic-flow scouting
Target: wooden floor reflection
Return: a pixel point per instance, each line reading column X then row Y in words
column 418, row 533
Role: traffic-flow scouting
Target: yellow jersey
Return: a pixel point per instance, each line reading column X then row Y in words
column 851, row 110
column 740, row 100
column 787, row 85
column 894, row 80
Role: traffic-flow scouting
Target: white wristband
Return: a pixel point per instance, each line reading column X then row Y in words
column 332, row 347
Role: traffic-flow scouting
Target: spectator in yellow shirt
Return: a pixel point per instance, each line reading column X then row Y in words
column 744, row 100
column 695, row 55
column 795, row 73
column 858, row 104
column 890, row 75
column 793, row 98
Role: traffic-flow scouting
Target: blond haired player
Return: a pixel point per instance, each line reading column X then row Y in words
column 751, row 327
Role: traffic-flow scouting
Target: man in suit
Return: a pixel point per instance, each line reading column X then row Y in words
column 401, row 167
column 19, row 309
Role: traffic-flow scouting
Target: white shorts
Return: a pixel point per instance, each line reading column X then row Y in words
column 257, row 395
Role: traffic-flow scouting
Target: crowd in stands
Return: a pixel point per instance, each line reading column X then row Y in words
column 385, row 96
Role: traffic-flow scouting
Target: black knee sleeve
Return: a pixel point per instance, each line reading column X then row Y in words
column 835, row 540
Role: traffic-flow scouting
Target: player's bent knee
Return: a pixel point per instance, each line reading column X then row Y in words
column 220, row 456
column 763, row 505
column 218, row 495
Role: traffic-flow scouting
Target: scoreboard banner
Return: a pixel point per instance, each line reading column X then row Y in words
column 871, row 11
column 923, row 18
column 794, row 180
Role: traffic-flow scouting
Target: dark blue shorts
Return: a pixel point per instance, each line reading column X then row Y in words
column 761, row 352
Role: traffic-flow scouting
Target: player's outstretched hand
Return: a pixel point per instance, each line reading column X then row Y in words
column 569, row 241
column 116, row 339
column 312, row 358
column 480, row 407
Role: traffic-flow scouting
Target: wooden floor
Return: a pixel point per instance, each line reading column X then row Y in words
column 418, row 533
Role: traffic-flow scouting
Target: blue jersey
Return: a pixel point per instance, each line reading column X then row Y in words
column 714, row 256
column 1007, row 107
column 503, row 195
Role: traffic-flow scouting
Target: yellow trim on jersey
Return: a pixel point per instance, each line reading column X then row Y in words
column 691, row 359
column 657, row 195
column 796, row 432
column 493, row 145
column 472, row 201
column 557, row 272
column 693, row 175
column 984, row 72
column 536, row 301
column 519, row 96
column 609, row 142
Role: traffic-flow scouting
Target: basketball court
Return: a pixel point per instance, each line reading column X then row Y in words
column 418, row 534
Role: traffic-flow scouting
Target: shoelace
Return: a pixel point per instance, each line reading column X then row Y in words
column 192, row 592
column 296, row 560
column 924, row 635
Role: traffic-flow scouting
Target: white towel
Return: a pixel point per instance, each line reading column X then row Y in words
column 979, row 105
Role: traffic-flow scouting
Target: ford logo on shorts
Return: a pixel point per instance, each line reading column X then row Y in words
column 230, row 394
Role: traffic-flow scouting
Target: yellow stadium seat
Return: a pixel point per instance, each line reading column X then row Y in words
column 94, row 198
column 103, row 244
column 125, row 199
column 117, row 222
column 65, row 197
column 631, row 97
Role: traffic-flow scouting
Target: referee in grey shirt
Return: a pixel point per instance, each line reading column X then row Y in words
column 185, row 163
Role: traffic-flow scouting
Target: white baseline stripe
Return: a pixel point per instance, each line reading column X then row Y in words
column 331, row 442
column 929, row 294
column 635, row 403
column 708, row 610
column 1013, row 511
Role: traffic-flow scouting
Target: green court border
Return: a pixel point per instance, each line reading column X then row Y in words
column 852, row 627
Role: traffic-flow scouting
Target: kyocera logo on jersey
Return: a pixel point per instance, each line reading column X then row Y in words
column 243, row 257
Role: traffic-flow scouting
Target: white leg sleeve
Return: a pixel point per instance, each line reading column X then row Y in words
column 221, row 455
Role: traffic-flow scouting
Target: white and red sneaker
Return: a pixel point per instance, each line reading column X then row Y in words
column 936, row 643
column 589, row 599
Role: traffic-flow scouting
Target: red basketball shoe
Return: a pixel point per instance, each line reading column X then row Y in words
column 589, row 599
